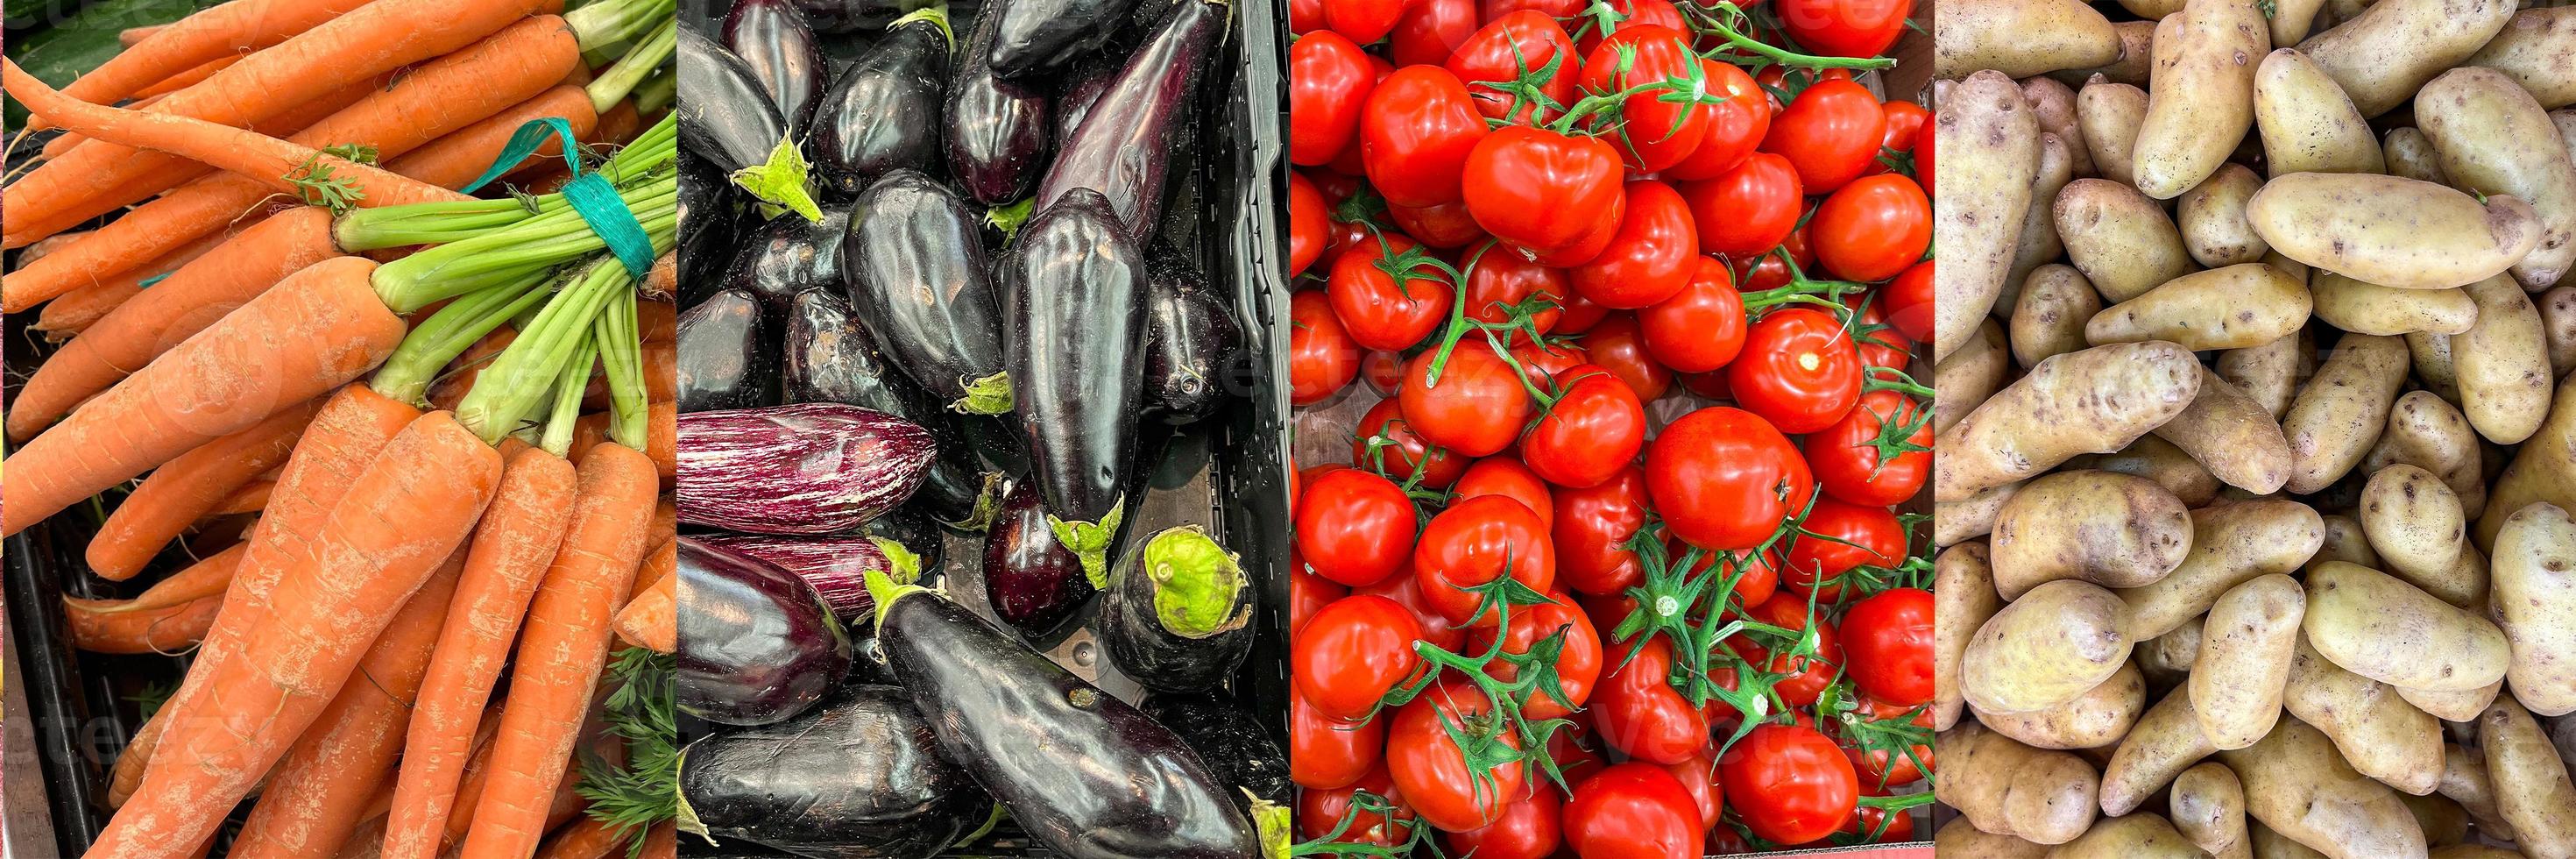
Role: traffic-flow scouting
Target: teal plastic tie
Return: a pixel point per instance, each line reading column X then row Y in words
column 592, row 196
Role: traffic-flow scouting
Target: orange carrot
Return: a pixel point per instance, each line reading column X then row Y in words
column 662, row 841
column 660, row 283
column 587, row 838
column 138, row 751
column 451, row 386
column 183, row 80
column 320, row 328
column 228, row 29
column 661, row 444
column 661, row 361
column 167, row 629
column 373, row 39
column 170, row 312
column 666, row 520
column 563, row 650
column 132, row 36
column 291, row 122
column 77, row 310
column 400, row 518
column 252, row 497
column 657, row 321
column 464, row 154
column 469, row 790
column 189, row 487
column 206, row 578
column 648, row 620
column 440, row 96
column 320, row 790
column 518, row 540
column 618, row 126
column 51, row 244
column 661, row 563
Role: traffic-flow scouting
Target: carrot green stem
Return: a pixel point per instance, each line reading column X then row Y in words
column 406, row 375
column 621, row 353
column 608, row 24
column 508, row 392
column 567, row 405
column 631, row 169
column 499, row 256
column 656, row 93
column 612, row 86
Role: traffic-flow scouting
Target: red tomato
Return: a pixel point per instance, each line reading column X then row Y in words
column 1845, row 28
column 1401, row 451
column 1430, row 767
column 1542, row 362
column 1872, row 228
column 1443, row 226
column 1847, row 460
column 1354, row 527
column 1887, row 646
column 1580, row 315
column 1364, row 21
column 1321, row 357
column 1593, row 524
column 1907, row 301
column 1699, row 776
column 1384, row 371
column 1499, row 278
column 1881, row 344
column 1560, row 9
column 1633, row 13
column 1799, row 370
column 1660, row 130
column 1474, row 542
column 1543, row 190
column 1592, row 433
column 1328, row 80
column 1323, row 753
column 1619, row 346
column 1405, row 591
column 1735, row 127
column 1711, row 384
column 1886, row 766
column 1429, row 30
column 1377, row 310
column 1830, row 133
column 1584, row 250
column 1507, row 477
column 1523, row 42
column 1476, row 408
column 1352, row 652
column 1749, row 209
column 1724, row 478
column 1525, row 829
column 1577, row 757
column 1650, row 257
column 1415, row 133
column 1633, row 811
column 1636, row 709
column 1923, row 158
column 1305, row 16
column 1308, row 228
column 1803, row 678
column 1320, row 813
column 1578, row 662
column 1790, row 784
column 1905, row 121
column 1845, row 536
column 1757, row 575
column 1307, row 592
column 1700, row 328
column 1865, row 820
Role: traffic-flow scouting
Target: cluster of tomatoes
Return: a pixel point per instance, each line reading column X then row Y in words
column 1617, row 567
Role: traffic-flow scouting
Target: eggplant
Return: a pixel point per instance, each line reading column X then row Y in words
column 913, row 261
column 710, row 219
column 860, row 776
column 771, row 37
column 730, row 120
column 1089, row 80
column 1073, row 314
column 1229, row 741
column 810, row 468
column 1032, row 582
column 831, row 563
column 1177, row 615
column 918, row 533
column 1193, row 349
column 850, row 16
column 997, row 129
column 831, row 359
column 1124, row 146
column 762, row 645
column 1084, row 773
column 724, row 362
column 788, row 256
column 1035, row 36
column 884, row 111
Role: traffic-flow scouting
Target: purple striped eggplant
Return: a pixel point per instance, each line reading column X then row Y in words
column 762, row 646
column 832, row 563
column 1124, row 146
column 810, row 468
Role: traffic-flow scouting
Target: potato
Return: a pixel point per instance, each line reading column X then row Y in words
column 1961, row 838
column 2006, row 788
column 2245, row 649
column 2472, row 851
column 2208, row 807
column 1963, row 598
column 2232, row 436
column 2273, row 845
column 2377, row 731
column 2166, row 659
column 2212, row 218
column 2307, row 123
column 2428, row 432
column 2107, row 115
column 2411, row 156
column 2166, row 741
column 2390, row 231
column 2099, row 717
column 2464, row 781
column 2545, row 469
column 2340, row 413
column 2136, row 62
column 2098, row 400
column 2441, row 819
column 2048, row 317
column 2531, row 786
column 2047, row 648
column 2432, row 359
column 2502, row 364
column 1955, row 522
column 1989, row 144
column 2123, row 242
column 2414, row 524
column 2452, row 706
column 2558, row 326
column 2152, row 10
column 2378, row 626
column 2039, row 242
column 2137, row 836
column 2566, row 122
column 2344, row 542
column 2292, row 19
column 2386, row 54
column 2537, row 49
column 2053, row 102
column 2535, row 591
column 2022, row 38
column 2159, row 460
column 2230, row 545
column 2493, row 137
column 2368, row 308
column 2297, row 785
column 1969, row 376
column 2270, row 373
column 2202, row 99
column 2227, row 308
column 2114, row 530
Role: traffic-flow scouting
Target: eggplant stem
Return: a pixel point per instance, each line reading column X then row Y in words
column 999, row 814
column 1197, row 583
column 990, row 395
column 1089, row 542
column 782, row 181
column 988, row 506
column 1269, row 825
column 904, row 565
column 1008, row 218
column 883, row 589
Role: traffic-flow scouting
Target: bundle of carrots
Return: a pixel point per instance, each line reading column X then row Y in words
column 402, row 451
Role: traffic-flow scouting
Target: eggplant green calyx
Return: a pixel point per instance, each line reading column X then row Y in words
column 905, row 563
column 885, row 590
column 1090, row 542
column 688, row 819
column 1197, row 584
column 988, row 506
column 1009, row 218
column 990, row 395
column 937, row 15
column 782, row 181
column 1269, row 825
column 999, row 813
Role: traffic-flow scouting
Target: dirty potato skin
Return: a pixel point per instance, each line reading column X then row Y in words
column 2232, row 436
column 2502, row 364
column 2099, row 718
column 2137, row 836
column 2545, row 470
column 2415, row 524
column 2373, row 727
column 2107, row 114
column 2494, row 137
column 2428, row 432
column 2296, row 784
column 2378, row 626
column 2535, row 595
column 2022, row 38
column 2270, row 373
column 2231, row 544
column 2411, row 156
column 1956, row 522
column 2202, row 100
column 1963, row 599
column 2393, row 232
column 1989, row 143
column 2208, row 806
column 1970, row 375
column 2387, row 53
column 2236, row 307
column 2159, row 460
column 1962, row 838
column 2244, row 661
column 2531, row 784
column 2007, row 788
column 2166, row 741
column 2048, row 317
column 2368, row 308
column 2094, row 401
column 2123, row 242
column 2039, row 241
column 2308, row 125
column 2212, row 218
column 2338, row 415
column 2114, row 530
column 2045, row 649
column 2537, row 49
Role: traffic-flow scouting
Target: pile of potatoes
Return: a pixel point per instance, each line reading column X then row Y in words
column 2257, row 428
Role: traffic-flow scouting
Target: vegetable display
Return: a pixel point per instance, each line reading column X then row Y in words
column 1600, row 345
column 2259, row 430
column 406, row 391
